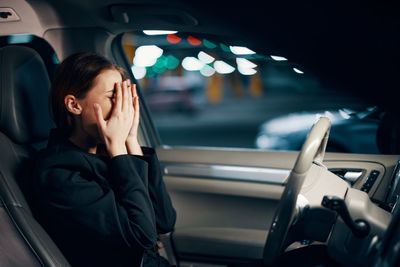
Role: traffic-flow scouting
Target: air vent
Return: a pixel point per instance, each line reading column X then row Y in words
column 8, row 14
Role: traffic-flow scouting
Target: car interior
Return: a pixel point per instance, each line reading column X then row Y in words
column 235, row 207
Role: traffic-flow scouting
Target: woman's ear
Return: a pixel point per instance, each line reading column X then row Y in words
column 72, row 104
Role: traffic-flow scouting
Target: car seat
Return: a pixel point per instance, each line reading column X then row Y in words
column 24, row 125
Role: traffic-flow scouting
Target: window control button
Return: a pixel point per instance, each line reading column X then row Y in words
column 370, row 181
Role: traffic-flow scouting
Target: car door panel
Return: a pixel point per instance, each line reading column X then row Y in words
column 221, row 218
column 384, row 164
column 225, row 206
column 225, row 199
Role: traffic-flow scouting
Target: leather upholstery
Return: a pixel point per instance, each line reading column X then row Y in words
column 23, row 121
column 24, row 113
column 16, row 253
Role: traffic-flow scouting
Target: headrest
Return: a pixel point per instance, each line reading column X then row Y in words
column 24, row 90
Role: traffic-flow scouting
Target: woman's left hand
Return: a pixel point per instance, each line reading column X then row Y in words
column 132, row 143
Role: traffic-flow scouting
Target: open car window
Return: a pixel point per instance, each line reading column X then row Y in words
column 209, row 91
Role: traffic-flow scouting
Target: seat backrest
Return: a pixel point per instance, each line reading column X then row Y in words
column 14, row 251
column 24, row 121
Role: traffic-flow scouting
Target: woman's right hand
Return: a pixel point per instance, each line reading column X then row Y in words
column 115, row 130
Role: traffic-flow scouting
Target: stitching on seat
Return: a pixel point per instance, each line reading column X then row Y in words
column 21, row 233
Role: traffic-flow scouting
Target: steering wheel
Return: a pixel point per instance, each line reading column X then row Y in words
column 313, row 151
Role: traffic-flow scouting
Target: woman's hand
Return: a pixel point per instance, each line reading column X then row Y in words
column 132, row 143
column 114, row 132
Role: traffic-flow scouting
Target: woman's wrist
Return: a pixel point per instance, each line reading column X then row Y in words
column 133, row 146
column 116, row 150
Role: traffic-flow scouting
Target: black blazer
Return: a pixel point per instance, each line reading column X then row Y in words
column 101, row 211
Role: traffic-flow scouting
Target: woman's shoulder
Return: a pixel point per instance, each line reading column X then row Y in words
column 59, row 154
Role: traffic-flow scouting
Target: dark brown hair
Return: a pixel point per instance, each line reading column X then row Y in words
column 75, row 76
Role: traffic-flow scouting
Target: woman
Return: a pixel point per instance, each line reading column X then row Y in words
column 99, row 194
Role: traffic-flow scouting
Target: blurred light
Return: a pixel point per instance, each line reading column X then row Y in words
column 173, row 39
column 193, row 41
column 298, row 71
column 223, row 67
column 146, row 56
column 328, row 114
column 144, row 61
column 150, row 72
column 224, row 48
column 207, row 71
column 20, row 38
column 241, row 50
column 161, row 62
column 259, row 57
column 345, row 115
column 138, row 72
column 209, row 44
column 192, row 64
column 246, row 71
column 158, row 32
column 172, row 62
column 244, row 63
column 278, row 58
column 149, row 51
column 158, row 69
column 205, row 58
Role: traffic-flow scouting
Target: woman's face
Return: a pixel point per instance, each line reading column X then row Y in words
column 102, row 93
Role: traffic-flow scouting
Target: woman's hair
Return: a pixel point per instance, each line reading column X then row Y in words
column 75, row 76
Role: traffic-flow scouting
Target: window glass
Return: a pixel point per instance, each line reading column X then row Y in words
column 208, row 91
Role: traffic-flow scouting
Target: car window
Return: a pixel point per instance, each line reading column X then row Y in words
column 209, row 91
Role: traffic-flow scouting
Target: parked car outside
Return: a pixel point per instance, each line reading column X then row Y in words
column 350, row 131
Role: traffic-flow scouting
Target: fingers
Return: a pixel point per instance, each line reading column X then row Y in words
column 136, row 104
column 101, row 123
column 134, row 92
column 118, row 98
column 135, row 98
column 129, row 96
column 126, row 96
column 137, row 112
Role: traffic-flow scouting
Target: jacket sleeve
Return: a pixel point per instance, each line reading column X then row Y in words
column 77, row 201
column 164, row 211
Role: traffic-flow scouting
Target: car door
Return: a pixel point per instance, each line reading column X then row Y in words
column 226, row 193
column 226, row 198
